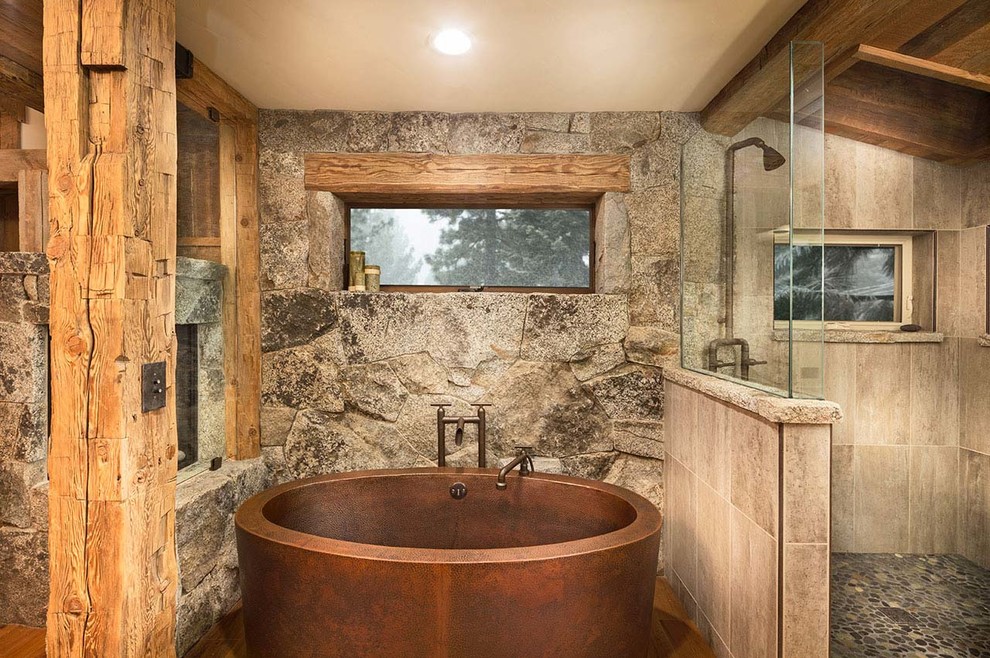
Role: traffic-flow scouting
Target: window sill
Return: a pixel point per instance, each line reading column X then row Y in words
column 860, row 336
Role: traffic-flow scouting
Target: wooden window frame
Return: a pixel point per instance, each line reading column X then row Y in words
column 465, row 203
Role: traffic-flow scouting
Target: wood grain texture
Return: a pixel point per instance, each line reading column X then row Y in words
column 10, row 130
column 32, row 213
column 923, row 67
column 674, row 634
column 228, row 257
column 112, row 468
column 21, row 83
column 104, row 34
column 421, row 177
column 21, row 27
column 14, row 161
column 205, row 89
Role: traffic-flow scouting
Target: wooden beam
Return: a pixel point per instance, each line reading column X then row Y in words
column 10, row 131
column 21, row 27
column 13, row 161
column 762, row 85
column 207, row 90
column 22, row 84
column 923, row 67
column 420, row 177
column 248, row 276
column 228, row 256
column 32, row 203
column 112, row 466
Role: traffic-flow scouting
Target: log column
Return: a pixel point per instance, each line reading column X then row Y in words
column 110, row 112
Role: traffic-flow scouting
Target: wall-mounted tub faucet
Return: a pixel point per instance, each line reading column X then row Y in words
column 459, row 422
column 525, row 463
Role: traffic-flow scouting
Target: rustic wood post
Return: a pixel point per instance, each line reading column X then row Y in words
column 110, row 111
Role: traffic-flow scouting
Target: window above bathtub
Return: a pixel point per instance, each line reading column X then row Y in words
column 867, row 281
column 457, row 248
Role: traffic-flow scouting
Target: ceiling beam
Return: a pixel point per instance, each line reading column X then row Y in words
column 923, row 67
column 762, row 85
column 18, row 82
column 206, row 90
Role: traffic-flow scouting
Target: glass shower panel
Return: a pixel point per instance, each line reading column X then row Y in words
column 751, row 214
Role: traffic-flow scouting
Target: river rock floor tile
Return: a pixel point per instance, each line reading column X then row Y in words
column 909, row 606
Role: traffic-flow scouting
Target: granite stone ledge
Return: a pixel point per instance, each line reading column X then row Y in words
column 860, row 336
column 23, row 262
column 771, row 407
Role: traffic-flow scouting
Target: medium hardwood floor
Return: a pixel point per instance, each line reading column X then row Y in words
column 674, row 635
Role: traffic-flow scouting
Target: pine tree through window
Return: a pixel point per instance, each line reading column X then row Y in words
column 499, row 248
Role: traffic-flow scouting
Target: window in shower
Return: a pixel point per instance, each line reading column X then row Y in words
column 445, row 249
column 867, row 281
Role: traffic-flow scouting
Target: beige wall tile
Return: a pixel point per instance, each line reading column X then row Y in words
column 843, row 497
column 923, row 279
column 973, row 282
column 974, row 511
column 947, row 293
column 714, row 557
column 974, row 395
column 807, row 457
column 680, row 421
column 881, row 498
column 713, row 639
column 976, row 195
column 938, row 192
column 754, row 590
column 682, row 513
column 883, row 394
column 933, row 504
column 934, row 389
column 884, row 188
column 840, row 182
column 713, row 453
column 754, row 444
column 840, row 387
column 806, row 601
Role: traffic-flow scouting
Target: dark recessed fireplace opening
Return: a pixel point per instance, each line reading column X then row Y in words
column 187, row 393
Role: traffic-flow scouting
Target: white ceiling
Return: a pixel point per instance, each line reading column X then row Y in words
column 528, row 55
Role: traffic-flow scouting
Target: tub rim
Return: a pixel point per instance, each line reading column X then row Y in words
column 250, row 519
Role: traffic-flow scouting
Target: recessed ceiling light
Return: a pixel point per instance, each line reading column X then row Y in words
column 452, row 42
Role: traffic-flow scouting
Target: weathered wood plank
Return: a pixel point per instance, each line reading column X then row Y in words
column 22, row 84
column 10, row 130
column 762, row 85
column 248, row 291
column 228, row 256
column 112, row 468
column 14, row 161
column 104, row 34
column 206, row 89
column 369, row 176
column 924, row 67
column 32, row 201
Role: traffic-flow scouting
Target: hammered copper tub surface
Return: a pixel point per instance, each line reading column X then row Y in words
column 388, row 563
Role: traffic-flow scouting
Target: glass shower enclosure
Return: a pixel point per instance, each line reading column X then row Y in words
column 752, row 235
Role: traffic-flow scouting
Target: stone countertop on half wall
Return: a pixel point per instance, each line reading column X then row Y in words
column 766, row 405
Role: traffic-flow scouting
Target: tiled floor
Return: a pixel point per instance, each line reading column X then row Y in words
column 891, row 605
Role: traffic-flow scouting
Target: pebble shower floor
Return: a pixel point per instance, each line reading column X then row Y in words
column 887, row 605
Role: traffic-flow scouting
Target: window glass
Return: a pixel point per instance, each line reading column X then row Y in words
column 514, row 247
column 860, row 283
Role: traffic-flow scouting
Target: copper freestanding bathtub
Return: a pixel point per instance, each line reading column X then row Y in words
column 391, row 564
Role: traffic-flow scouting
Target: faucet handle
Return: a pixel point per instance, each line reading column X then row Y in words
column 479, row 405
column 442, row 404
column 524, row 450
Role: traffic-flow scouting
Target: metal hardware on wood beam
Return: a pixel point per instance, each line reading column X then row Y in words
column 152, row 386
column 183, row 62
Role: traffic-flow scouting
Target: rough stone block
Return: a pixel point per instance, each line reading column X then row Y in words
column 654, row 293
column 275, row 425
column 204, row 505
column 620, row 132
column 368, row 132
column 16, row 481
column 457, row 330
column 644, row 439
column 639, row 475
column 656, row 163
column 321, row 443
column 548, row 465
column 326, row 215
column 284, row 254
column 23, row 262
column 542, row 141
column 655, row 221
column 652, row 346
column 374, row 389
column 24, row 585
column 281, row 187
column 23, row 432
column 553, row 121
column 198, row 291
column 679, row 126
column 704, row 165
column 303, row 377
column 581, row 122
column 558, row 327
column 542, row 405
column 302, row 131
column 634, row 395
column 23, row 363
column 419, row 373
column 588, row 364
column 12, row 297
column 613, row 271
column 424, row 132
column 592, row 465
column 200, row 609
column 295, row 317
column 485, row 133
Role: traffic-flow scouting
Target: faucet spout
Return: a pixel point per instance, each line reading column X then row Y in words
column 525, row 463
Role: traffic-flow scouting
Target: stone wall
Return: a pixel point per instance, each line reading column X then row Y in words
column 348, row 378
column 23, row 438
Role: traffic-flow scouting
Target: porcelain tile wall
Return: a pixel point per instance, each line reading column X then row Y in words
column 748, row 570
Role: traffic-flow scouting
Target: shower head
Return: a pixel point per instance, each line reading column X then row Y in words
column 772, row 158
